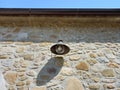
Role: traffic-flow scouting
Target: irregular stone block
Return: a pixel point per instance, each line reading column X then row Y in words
column 110, row 56
column 73, row 84
column 82, row 66
column 108, row 73
column 109, row 86
column 23, row 88
column 39, row 88
column 93, row 55
column 20, row 50
column 98, row 67
column 74, row 57
column 112, row 80
column 23, row 78
column 113, row 65
column 23, row 43
column 92, row 61
column 31, row 73
column 94, row 86
column 11, row 77
column 103, row 59
column 11, row 88
column 20, row 83
column 29, row 57
column 3, row 56
column 28, row 82
column 67, row 71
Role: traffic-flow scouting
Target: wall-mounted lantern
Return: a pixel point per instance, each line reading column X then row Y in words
column 60, row 48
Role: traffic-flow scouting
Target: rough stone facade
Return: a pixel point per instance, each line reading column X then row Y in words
column 93, row 62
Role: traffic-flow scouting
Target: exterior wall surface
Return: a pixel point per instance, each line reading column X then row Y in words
column 93, row 62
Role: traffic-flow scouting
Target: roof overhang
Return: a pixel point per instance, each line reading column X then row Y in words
column 58, row 12
column 97, row 18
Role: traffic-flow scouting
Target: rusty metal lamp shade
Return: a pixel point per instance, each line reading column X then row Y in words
column 60, row 48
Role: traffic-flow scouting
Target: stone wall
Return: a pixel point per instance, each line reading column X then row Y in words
column 93, row 62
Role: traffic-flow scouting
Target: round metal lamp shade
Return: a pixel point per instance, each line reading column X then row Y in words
column 60, row 49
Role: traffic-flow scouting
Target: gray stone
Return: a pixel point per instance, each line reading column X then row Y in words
column 117, row 61
column 110, row 56
column 7, row 63
column 109, row 80
column 98, row 67
column 103, row 59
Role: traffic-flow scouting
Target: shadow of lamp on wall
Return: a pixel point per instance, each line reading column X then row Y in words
column 54, row 64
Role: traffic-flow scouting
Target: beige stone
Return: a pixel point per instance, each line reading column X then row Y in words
column 39, row 88
column 67, row 71
column 34, row 67
column 11, row 77
column 20, row 83
column 74, row 57
column 92, row 61
column 20, row 50
column 3, row 56
column 21, row 74
column 73, row 84
column 7, row 42
column 24, row 64
column 16, row 64
column 67, row 64
column 11, row 88
column 44, row 44
column 108, row 73
column 92, row 55
column 21, row 70
column 23, row 43
column 31, row 73
column 109, row 86
column 7, row 49
column 23, row 78
column 113, row 65
column 100, row 54
column 28, row 82
column 94, row 86
column 22, row 88
column 82, row 66
column 96, row 79
column 29, row 57
column 60, row 77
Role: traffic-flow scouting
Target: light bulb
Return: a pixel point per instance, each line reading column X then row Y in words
column 60, row 49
